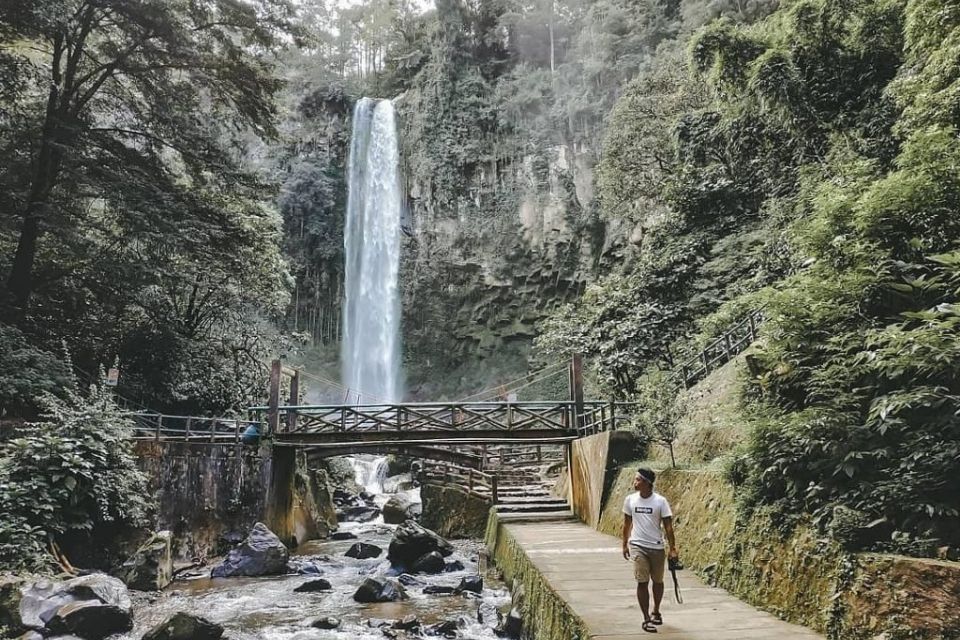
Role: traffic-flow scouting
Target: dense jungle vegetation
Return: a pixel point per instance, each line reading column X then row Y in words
column 619, row 178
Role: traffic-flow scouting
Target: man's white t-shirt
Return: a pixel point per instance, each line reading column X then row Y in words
column 647, row 513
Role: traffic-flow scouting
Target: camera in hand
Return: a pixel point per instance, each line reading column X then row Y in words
column 675, row 564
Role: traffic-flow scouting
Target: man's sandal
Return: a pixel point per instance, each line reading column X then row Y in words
column 649, row 626
column 656, row 618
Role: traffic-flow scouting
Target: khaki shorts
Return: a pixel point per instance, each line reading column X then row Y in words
column 648, row 564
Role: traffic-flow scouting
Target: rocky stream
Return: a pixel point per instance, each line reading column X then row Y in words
column 370, row 580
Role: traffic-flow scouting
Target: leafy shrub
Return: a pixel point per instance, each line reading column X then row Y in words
column 65, row 475
column 27, row 373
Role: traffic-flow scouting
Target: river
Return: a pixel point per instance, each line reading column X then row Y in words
column 267, row 608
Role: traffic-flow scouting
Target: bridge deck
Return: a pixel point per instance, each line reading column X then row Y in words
column 585, row 568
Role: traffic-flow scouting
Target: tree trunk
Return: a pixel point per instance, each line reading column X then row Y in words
column 20, row 279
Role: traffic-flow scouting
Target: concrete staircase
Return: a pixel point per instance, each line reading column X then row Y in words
column 531, row 502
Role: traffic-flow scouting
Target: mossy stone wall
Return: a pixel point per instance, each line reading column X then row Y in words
column 453, row 513
column 546, row 616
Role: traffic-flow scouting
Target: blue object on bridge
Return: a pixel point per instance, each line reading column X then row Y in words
column 251, row 434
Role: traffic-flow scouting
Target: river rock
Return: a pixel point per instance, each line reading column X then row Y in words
column 150, row 568
column 447, row 629
column 40, row 601
column 512, row 625
column 31, row 635
column 90, row 619
column 408, row 580
column 428, row 563
column 407, row 623
column 438, row 590
column 326, row 622
column 313, row 586
column 261, row 554
column 343, row 535
column 379, row 590
column 362, row 513
column 363, row 551
column 471, row 583
column 454, row 565
column 411, row 541
column 399, row 508
column 183, row 626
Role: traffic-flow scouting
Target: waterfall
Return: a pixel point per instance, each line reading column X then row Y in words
column 369, row 472
column 370, row 353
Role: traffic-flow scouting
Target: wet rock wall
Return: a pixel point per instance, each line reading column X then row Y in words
column 206, row 493
column 453, row 513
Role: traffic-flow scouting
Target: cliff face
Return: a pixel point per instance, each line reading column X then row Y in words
column 488, row 259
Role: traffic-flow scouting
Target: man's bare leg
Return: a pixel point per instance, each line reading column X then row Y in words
column 643, row 597
column 657, row 596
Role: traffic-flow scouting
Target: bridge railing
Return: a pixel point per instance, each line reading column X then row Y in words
column 456, row 416
column 472, row 481
column 194, row 429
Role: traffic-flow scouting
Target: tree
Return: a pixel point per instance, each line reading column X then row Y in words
column 124, row 84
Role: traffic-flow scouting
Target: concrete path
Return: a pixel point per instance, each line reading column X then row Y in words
column 585, row 567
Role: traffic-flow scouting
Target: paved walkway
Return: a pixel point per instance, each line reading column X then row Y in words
column 585, row 567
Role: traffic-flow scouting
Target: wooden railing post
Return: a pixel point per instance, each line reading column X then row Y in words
column 470, row 480
column 159, row 426
column 493, row 489
column 294, row 401
column 576, row 386
column 613, row 415
column 273, row 401
column 186, row 434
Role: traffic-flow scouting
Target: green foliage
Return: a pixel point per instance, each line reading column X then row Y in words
column 657, row 417
column 28, row 373
column 63, row 476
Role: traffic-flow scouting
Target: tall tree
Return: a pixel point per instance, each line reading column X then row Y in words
column 112, row 92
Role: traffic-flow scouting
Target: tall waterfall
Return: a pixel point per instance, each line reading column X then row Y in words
column 370, row 353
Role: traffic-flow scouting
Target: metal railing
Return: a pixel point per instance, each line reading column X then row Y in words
column 161, row 427
column 720, row 351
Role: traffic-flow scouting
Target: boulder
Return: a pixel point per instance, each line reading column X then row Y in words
column 362, row 513
column 400, row 508
column 379, row 590
column 428, row 563
column 90, row 619
column 471, row 583
column 438, row 590
column 343, row 535
column 312, row 586
column 40, row 601
column 31, row 635
column 454, row 565
column 305, row 567
column 326, row 622
column 363, row 551
column 10, row 596
column 511, row 626
column 150, row 568
column 411, row 541
column 261, row 554
column 183, row 626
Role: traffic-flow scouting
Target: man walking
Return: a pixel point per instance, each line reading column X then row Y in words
column 643, row 513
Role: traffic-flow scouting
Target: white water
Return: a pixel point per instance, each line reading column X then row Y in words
column 370, row 353
column 369, row 472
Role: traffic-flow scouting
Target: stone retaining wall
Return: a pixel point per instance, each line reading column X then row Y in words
column 453, row 513
column 546, row 616
column 203, row 492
